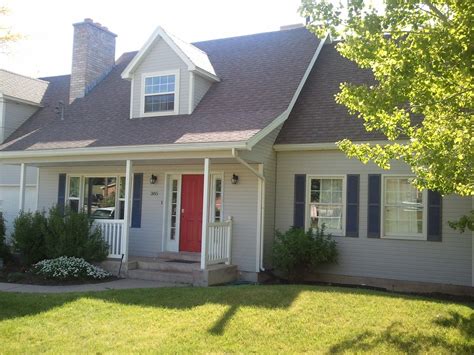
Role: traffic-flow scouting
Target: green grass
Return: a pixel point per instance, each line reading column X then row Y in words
column 263, row 319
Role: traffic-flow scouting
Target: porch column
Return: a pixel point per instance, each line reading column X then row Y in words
column 21, row 195
column 205, row 213
column 127, row 214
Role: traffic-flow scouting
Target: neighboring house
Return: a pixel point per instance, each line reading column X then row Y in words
column 20, row 98
column 211, row 146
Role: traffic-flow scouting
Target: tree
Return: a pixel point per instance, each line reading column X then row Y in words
column 420, row 54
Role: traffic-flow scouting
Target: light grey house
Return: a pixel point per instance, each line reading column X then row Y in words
column 20, row 98
column 200, row 151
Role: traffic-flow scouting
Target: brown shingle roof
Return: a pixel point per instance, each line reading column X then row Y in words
column 22, row 87
column 316, row 117
column 259, row 75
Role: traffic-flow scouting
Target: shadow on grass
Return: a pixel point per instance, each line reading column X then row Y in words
column 455, row 320
column 267, row 297
column 397, row 338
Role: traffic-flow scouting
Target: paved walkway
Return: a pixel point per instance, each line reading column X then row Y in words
column 121, row 284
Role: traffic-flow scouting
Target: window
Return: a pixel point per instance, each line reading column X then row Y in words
column 326, row 203
column 97, row 196
column 216, row 202
column 74, row 194
column 403, row 209
column 160, row 93
column 174, row 207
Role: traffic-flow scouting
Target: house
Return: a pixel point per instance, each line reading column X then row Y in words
column 20, row 97
column 211, row 146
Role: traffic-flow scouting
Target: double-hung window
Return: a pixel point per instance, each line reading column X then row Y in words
column 160, row 94
column 403, row 209
column 326, row 203
column 216, row 199
column 74, row 193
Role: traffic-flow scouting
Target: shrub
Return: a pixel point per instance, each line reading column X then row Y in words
column 73, row 234
column 69, row 268
column 4, row 249
column 296, row 252
column 28, row 236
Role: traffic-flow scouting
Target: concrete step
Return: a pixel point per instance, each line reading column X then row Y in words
column 163, row 276
column 166, row 265
column 180, row 256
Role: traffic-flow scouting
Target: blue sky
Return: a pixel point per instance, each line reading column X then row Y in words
column 47, row 25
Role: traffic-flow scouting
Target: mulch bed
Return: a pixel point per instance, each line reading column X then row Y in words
column 15, row 274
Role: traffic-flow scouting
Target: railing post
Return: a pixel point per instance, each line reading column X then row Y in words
column 229, row 241
column 205, row 213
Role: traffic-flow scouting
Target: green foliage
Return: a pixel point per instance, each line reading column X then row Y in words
column 420, row 53
column 39, row 237
column 297, row 252
column 4, row 249
column 73, row 235
column 465, row 222
column 28, row 236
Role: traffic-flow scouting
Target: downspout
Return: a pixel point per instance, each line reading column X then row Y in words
column 261, row 205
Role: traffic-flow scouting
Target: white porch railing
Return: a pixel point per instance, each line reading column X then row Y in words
column 113, row 233
column 219, row 242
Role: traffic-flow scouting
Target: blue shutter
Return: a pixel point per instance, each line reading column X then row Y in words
column 137, row 200
column 300, row 201
column 352, row 206
column 61, row 192
column 374, row 206
column 434, row 216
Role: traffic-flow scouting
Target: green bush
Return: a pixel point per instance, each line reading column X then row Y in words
column 296, row 252
column 73, row 234
column 38, row 237
column 28, row 236
column 4, row 249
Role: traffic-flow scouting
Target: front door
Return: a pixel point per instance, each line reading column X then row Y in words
column 191, row 213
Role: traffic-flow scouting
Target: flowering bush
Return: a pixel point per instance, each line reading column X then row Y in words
column 69, row 268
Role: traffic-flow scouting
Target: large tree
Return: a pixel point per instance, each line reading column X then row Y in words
column 420, row 53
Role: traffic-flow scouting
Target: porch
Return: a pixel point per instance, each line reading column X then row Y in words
column 229, row 227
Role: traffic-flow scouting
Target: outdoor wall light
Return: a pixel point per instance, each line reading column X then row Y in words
column 235, row 179
column 153, row 179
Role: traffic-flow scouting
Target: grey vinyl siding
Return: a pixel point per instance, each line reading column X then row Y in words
column 201, row 86
column 161, row 58
column 240, row 202
column 15, row 114
column 263, row 152
column 10, row 175
column 449, row 261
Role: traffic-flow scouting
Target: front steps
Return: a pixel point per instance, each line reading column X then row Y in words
column 168, row 268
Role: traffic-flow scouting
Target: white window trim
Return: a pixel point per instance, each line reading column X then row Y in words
column 422, row 236
column 214, row 177
column 83, row 178
column 334, row 232
column 176, row 93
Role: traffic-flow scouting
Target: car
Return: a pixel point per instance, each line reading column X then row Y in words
column 104, row 213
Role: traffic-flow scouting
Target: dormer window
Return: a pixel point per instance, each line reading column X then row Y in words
column 160, row 93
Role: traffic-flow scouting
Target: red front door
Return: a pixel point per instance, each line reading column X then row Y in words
column 191, row 213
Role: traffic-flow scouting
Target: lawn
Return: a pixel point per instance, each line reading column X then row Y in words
column 264, row 319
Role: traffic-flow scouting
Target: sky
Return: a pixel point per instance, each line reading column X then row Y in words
column 46, row 25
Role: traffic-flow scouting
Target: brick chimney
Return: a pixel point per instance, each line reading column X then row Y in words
column 93, row 57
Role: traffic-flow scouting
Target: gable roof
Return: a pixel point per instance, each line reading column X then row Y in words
column 316, row 117
column 195, row 58
column 20, row 87
column 260, row 75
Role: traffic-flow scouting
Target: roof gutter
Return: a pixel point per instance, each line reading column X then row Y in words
column 260, row 207
column 156, row 148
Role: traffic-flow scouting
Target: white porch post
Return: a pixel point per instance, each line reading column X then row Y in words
column 127, row 214
column 21, row 201
column 205, row 213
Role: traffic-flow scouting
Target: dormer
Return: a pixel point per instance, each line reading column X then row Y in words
column 168, row 77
